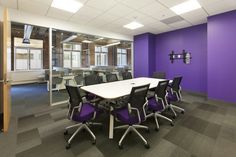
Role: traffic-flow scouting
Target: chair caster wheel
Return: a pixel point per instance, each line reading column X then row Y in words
column 147, row 146
column 182, row 112
column 147, row 130
column 66, row 132
column 172, row 124
column 120, row 146
column 68, row 146
column 94, row 142
column 157, row 129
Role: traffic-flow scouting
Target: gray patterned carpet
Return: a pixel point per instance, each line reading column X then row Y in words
column 205, row 130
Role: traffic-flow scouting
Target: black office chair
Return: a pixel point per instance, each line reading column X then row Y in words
column 133, row 114
column 157, row 104
column 79, row 79
column 111, row 77
column 174, row 94
column 126, row 75
column 159, row 75
column 92, row 79
column 79, row 112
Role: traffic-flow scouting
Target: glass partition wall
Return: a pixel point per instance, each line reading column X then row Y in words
column 75, row 55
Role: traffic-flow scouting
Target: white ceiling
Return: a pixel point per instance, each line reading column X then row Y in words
column 111, row 15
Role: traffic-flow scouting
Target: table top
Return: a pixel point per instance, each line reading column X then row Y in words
column 114, row 90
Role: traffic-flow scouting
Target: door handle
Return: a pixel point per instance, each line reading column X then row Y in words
column 5, row 81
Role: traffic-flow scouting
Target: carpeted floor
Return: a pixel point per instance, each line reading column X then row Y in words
column 205, row 130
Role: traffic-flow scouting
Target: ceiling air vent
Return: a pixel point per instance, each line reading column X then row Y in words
column 27, row 32
column 171, row 20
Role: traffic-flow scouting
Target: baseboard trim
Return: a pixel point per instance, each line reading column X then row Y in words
column 216, row 101
column 195, row 93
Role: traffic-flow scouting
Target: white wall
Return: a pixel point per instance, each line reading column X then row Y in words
column 21, row 77
column 30, row 18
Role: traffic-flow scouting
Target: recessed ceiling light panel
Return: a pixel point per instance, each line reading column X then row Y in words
column 185, row 7
column 67, row 5
column 133, row 25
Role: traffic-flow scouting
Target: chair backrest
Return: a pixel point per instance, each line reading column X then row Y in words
column 127, row 75
column 92, row 79
column 161, row 89
column 175, row 85
column 138, row 98
column 56, row 80
column 111, row 77
column 74, row 97
column 79, row 79
column 159, row 75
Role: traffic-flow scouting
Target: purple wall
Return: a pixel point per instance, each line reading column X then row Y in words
column 222, row 57
column 144, row 56
column 193, row 40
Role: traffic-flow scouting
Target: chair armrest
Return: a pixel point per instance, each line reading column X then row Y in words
column 76, row 107
column 137, row 111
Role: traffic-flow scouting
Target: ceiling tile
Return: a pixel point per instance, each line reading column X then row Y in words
column 220, row 7
column 102, row 5
column 137, row 4
column 80, row 19
column 88, row 12
column 157, row 11
column 106, row 18
column 195, row 16
column 59, row 14
column 33, row 6
column 9, row 3
column 171, row 3
column 181, row 24
column 45, row 2
column 139, row 17
column 119, row 10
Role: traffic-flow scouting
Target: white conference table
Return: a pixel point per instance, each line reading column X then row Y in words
column 115, row 90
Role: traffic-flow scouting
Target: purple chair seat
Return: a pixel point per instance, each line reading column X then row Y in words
column 171, row 97
column 123, row 115
column 153, row 105
column 86, row 113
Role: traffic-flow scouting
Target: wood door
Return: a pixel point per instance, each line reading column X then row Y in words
column 5, row 69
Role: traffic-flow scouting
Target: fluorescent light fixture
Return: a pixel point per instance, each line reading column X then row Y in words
column 185, row 7
column 87, row 41
column 69, row 39
column 27, row 33
column 67, row 5
column 99, row 39
column 133, row 25
column 113, row 44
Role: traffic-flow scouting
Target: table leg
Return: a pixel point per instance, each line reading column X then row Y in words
column 111, row 125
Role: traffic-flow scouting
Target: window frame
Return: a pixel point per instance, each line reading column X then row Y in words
column 99, row 54
column 28, row 59
column 71, row 51
column 121, row 54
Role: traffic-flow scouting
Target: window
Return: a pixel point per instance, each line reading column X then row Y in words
column 121, row 57
column 28, row 58
column 101, row 56
column 72, row 55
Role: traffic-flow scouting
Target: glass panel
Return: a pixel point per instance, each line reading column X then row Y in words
column 77, row 47
column 35, row 59
column 76, row 61
column 67, row 59
column 67, row 46
column 22, row 57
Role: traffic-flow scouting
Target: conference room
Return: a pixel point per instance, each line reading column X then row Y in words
column 117, row 78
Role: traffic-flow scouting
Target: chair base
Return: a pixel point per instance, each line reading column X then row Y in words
column 158, row 115
column 173, row 107
column 132, row 128
column 81, row 126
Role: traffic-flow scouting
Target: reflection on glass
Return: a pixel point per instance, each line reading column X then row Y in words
column 35, row 58
column 22, row 56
